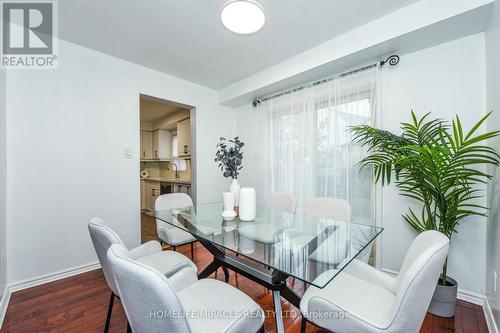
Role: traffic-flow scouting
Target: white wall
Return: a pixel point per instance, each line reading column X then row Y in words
column 67, row 129
column 448, row 79
column 247, row 128
column 3, row 179
column 493, row 104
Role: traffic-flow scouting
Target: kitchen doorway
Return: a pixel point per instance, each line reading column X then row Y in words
column 166, row 155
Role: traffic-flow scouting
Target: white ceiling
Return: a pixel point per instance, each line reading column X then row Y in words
column 185, row 38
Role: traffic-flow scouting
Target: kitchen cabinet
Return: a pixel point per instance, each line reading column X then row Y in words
column 151, row 192
column 184, row 138
column 155, row 144
column 175, row 187
column 146, row 144
column 161, row 144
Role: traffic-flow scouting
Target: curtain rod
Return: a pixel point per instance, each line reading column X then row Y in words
column 392, row 60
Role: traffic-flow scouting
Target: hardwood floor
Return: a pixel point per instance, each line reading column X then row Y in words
column 148, row 228
column 79, row 304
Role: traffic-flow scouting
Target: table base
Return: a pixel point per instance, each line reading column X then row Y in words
column 270, row 278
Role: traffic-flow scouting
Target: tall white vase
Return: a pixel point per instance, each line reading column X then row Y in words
column 248, row 203
column 235, row 189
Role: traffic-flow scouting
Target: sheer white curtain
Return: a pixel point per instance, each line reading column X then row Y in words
column 306, row 147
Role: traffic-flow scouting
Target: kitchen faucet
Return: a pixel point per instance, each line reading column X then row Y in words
column 176, row 170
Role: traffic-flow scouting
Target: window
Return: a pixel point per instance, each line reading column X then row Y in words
column 309, row 148
column 337, row 173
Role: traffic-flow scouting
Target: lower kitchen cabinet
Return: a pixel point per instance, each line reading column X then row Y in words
column 150, row 191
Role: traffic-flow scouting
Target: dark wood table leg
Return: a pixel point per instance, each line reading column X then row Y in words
column 211, row 268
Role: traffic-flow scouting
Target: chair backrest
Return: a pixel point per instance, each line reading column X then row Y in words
column 173, row 200
column 417, row 280
column 150, row 302
column 169, row 201
column 329, row 208
column 103, row 237
column 281, row 201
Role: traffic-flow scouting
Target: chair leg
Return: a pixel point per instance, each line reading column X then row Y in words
column 110, row 310
column 174, row 247
column 303, row 325
column 192, row 251
column 226, row 274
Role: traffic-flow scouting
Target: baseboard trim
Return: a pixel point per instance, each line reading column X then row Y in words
column 39, row 280
column 490, row 320
column 58, row 275
column 4, row 303
column 471, row 297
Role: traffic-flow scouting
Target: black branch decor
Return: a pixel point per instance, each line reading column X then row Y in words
column 229, row 157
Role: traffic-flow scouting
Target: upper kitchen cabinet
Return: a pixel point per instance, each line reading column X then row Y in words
column 146, row 145
column 161, row 144
column 155, row 144
column 184, row 138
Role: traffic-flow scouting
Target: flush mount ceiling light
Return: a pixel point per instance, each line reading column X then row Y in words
column 243, row 17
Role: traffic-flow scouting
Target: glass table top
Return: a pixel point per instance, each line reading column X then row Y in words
column 310, row 249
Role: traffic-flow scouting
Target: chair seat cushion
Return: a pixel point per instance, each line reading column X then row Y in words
column 261, row 232
column 218, row 307
column 332, row 250
column 174, row 236
column 357, row 297
column 180, row 271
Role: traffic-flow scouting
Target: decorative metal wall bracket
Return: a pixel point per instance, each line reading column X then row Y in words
column 393, row 60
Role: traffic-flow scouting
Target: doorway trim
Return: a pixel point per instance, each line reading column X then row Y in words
column 192, row 120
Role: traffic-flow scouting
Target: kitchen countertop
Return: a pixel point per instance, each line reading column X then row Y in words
column 167, row 180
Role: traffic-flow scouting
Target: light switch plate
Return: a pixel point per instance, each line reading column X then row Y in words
column 127, row 152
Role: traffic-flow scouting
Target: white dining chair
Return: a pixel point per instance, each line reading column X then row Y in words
column 363, row 299
column 281, row 201
column 152, row 304
column 265, row 233
column 331, row 250
column 174, row 265
column 329, row 208
column 169, row 234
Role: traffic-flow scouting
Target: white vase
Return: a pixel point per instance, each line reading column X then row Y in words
column 228, row 200
column 248, row 202
column 228, row 214
column 235, row 188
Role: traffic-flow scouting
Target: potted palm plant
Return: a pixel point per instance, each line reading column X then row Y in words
column 439, row 165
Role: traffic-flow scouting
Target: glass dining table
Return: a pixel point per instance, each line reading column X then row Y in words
column 275, row 246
